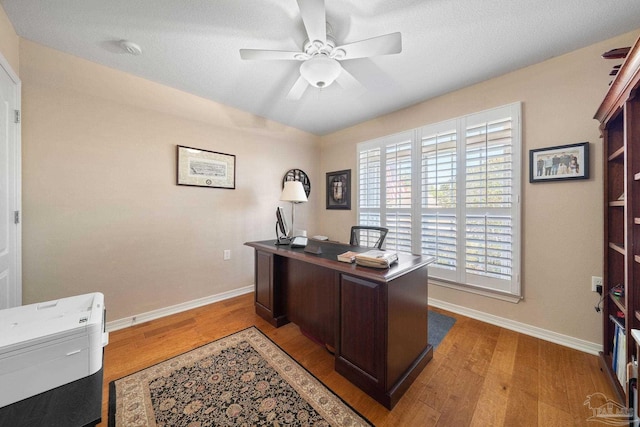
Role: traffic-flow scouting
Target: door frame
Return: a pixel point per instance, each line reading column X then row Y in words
column 15, row 294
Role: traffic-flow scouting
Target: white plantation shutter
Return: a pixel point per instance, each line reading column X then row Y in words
column 438, row 150
column 489, row 248
column 489, row 190
column 398, row 176
column 452, row 191
column 369, row 186
column 399, row 237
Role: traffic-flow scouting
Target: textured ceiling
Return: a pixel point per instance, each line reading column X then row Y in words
column 193, row 45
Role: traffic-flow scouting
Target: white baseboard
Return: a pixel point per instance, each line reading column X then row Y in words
column 162, row 312
column 534, row 331
column 565, row 340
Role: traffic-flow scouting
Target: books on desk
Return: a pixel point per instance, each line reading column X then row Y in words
column 376, row 259
column 347, row 256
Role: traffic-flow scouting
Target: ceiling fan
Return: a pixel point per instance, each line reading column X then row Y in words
column 320, row 54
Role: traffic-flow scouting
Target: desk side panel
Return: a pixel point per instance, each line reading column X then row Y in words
column 263, row 279
column 268, row 296
column 360, row 355
column 407, row 322
column 362, row 324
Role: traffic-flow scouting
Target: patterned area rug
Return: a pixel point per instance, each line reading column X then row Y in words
column 243, row 379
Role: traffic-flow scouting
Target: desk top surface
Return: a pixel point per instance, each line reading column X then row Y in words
column 328, row 258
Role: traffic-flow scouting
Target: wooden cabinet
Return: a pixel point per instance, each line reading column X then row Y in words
column 619, row 115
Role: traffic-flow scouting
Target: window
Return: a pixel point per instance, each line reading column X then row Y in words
column 450, row 190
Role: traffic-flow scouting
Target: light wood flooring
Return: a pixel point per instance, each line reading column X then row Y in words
column 480, row 375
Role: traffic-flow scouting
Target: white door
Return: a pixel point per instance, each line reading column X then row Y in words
column 10, row 183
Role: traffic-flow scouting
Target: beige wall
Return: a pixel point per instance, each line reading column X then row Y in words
column 562, row 222
column 102, row 211
column 9, row 41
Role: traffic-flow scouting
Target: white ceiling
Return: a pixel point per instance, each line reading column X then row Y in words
column 193, row 45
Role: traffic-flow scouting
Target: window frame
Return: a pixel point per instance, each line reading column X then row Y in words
column 510, row 290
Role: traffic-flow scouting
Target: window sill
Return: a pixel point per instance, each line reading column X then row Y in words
column 478, row 291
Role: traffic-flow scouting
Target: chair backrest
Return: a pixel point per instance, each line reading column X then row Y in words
column 368, row 236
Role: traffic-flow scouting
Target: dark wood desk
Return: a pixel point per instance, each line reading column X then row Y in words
column 376, row 320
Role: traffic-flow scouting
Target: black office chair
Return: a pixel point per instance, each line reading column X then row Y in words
column 368, row 236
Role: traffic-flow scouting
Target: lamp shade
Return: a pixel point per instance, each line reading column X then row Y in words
column 320, row 71
column 293, row 191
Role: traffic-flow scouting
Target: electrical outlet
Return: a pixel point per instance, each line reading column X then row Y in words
column 595, row 282
column 226, row 255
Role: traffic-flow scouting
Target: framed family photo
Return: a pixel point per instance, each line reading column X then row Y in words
column 560, row 163
column 339, row 189
column 203, row 168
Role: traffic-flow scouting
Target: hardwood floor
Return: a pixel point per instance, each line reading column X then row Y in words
column 480, row 375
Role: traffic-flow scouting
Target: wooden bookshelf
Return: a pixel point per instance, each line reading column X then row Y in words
column 617, row 154
column 619, row 116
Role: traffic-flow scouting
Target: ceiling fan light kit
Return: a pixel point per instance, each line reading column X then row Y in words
column 320, row 71
column 320, row 53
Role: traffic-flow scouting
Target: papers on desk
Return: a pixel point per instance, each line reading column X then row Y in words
column 376, row 259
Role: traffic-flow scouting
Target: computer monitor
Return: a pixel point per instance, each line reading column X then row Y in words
column 283, row 228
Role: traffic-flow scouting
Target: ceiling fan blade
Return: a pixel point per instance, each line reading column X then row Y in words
column 314, row 17
column 272, row 54
column 381, row 45
column 298, row 89
column 346, row 80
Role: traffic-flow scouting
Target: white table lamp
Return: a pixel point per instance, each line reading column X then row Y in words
column 293, row 192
